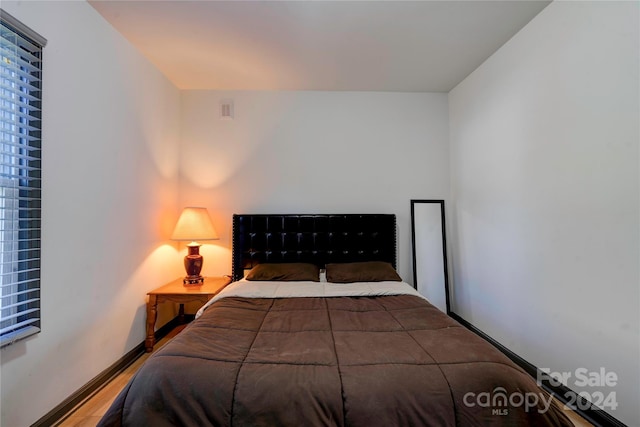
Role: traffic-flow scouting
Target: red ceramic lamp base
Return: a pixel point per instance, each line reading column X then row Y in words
column 193, row 265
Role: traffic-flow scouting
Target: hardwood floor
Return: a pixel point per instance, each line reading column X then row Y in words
column 89, row 412
column 576, row 419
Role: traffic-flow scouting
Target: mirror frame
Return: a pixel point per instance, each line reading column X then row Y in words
column 444, row 246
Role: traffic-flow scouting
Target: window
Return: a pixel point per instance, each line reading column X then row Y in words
column 20, row 179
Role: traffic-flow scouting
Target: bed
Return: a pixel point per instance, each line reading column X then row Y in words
column 317, row 328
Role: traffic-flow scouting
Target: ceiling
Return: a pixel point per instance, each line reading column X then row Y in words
column 405, row 46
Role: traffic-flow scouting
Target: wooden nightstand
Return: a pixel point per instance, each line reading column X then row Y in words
column 177, row 292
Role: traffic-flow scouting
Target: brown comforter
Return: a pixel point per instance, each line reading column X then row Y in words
column 340, row 361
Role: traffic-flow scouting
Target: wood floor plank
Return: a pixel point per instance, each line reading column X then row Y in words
column 89, row 412
column 81, row 421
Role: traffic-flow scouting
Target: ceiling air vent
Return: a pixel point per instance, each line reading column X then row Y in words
column 226, row 109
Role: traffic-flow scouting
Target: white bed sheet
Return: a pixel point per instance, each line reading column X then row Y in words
column 273, row 289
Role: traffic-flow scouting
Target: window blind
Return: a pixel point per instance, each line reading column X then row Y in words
column 20, row 179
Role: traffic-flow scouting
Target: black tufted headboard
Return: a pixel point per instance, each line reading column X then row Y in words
column 317, row 239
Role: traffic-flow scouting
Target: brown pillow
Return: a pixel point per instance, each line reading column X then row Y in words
column 295, row 271
column 370, row 271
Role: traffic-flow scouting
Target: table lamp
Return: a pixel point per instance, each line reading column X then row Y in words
column 194, row 224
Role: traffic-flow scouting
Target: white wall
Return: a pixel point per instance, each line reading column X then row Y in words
column 312, row 152
column 545, row 177
column 544, row 167
column 110, row 148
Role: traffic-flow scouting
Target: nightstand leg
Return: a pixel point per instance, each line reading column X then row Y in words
column 181, row 314
column 152, row 313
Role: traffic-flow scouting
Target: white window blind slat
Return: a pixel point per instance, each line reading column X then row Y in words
column 24, row 293
column 21, row 36
column 28, row 63
column 26, row 199
column 23, row 272
column 18, row 304
column 6, row 169
column 15, row 72
column 20, row 178
column 20, row 313
column 15, row 110
column 13, row 156
column 25, row 285
column 5, row 87
column 8, row 100
column 35, row 259
column 17, row 329
column 13, row 56
column 23, row 332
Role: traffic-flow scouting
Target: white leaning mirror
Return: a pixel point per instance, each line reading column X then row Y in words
column 430, row 276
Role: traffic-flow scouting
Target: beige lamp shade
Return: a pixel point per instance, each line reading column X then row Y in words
column 194, row 224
